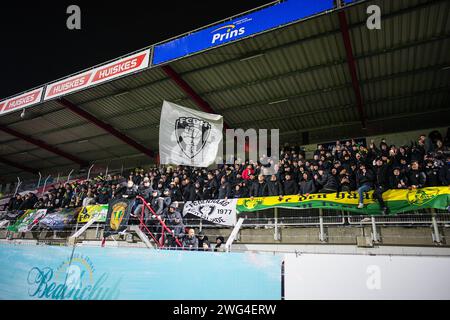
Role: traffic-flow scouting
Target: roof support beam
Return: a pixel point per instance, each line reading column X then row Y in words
column 17, row 165
column 352, row 67
column 184, row 86
column 43, row 145
column 107, row 127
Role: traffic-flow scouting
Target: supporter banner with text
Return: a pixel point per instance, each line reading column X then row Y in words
column 397, row 201
column 59, row 220
column 28, row 220
column 88, row 212
column 219, row 211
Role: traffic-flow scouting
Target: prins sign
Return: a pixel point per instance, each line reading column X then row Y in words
column 98, row 75
column 22, row 101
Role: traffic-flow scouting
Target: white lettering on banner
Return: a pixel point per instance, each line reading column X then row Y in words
column 231, row 32
column 68, row 85
column 107, row 72
column 22, row 101
column 120, row 67
column 219, row 211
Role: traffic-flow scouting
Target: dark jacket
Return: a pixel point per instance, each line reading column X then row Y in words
column 189, row 192
column 145, row 192
column 274, row 188
column 417, row 178
column 362, row 179
column 308, row 186
column 290, row 187
column 258, row 189
column 394, row 181
column 225, row 190
column 190, row 243
column 328, row 181
column 211, row 189
column 444, row 175
column 381, row 176
column 432, row 177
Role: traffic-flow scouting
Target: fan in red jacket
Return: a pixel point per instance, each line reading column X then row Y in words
column 247, row 172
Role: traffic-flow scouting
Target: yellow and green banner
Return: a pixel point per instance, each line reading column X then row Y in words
column 88, row 212
column 397, row 201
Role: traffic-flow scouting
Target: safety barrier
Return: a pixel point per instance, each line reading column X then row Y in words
column 274, row 220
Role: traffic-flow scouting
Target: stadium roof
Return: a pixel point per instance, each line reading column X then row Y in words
column 328, row 75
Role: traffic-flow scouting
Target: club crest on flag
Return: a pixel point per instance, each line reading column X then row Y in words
column 192, row 135
column 207, row 210
column 189, row 137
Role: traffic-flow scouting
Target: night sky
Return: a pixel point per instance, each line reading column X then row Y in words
column 36, row 46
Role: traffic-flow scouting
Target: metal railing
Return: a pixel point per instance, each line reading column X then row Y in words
column 275, row 220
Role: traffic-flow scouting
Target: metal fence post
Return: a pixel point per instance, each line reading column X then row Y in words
column 435, row 234
column 45, row 184
column 39, row 181
column 322, row 235
column 89, row 172
column 18, row 185
column 68, row 177
column 276, row 234
column 375, row 237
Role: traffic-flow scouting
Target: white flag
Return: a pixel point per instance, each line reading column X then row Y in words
column 219, row 211
column 188, row 137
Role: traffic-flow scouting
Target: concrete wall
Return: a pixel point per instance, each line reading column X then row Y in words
column 334, row 235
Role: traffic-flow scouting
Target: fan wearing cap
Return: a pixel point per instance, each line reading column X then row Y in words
column 202, row 240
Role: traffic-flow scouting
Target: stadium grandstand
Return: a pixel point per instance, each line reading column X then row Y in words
column 362, row 114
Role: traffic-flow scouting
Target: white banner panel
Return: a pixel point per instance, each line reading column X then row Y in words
column 21, row 101
column 188, row 137
column 365, row 277
column 218, row 211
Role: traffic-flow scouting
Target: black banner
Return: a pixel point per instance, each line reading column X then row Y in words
column 118, row 215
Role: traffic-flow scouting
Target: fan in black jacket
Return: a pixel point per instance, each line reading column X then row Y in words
column 364, row 182
column 307, row 184
column 290, row 186
column 273, row 187
column 258, row 189
column 381, row 183
column 398, row 180
column 432, row 174
column 416, row 178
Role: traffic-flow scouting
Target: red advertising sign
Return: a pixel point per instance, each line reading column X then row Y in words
column 22, row 101
column 133, row 63
column 68, row 85
column 120, row 67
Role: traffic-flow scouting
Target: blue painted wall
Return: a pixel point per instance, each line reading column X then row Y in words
column 50, row 272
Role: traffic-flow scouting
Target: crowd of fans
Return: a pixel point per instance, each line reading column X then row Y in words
column 342, row 167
